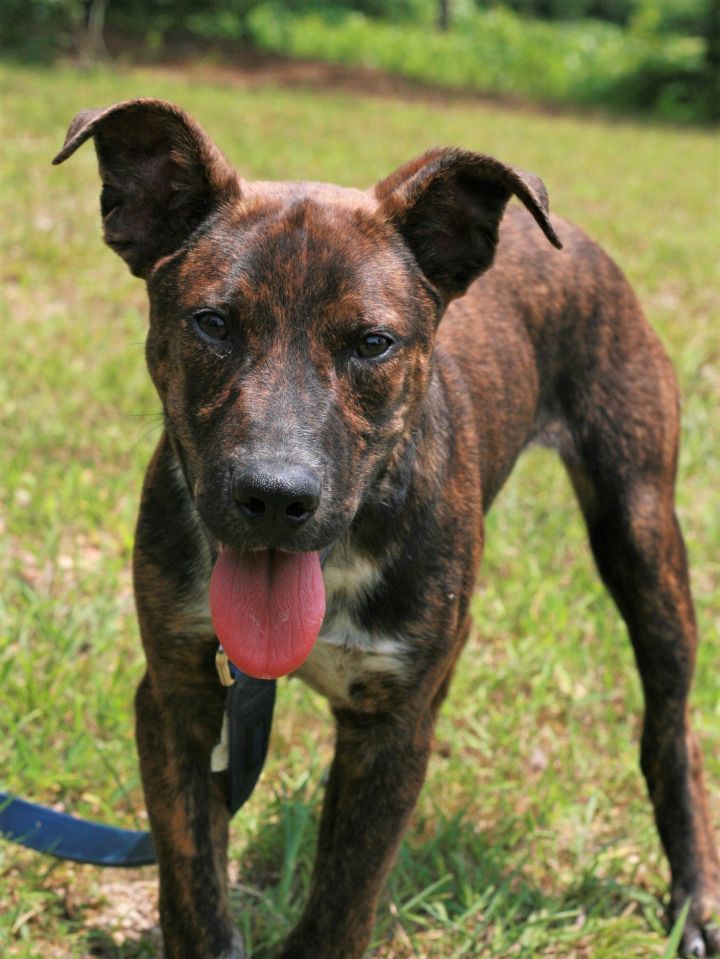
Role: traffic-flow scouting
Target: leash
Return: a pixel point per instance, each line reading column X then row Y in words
column 66, row 837
column 241, row 752
column 245, row 733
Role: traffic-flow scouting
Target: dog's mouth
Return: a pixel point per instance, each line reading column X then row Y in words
column 267, row 607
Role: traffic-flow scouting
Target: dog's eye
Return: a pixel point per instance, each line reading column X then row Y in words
column 373, row 345
column 211, row 325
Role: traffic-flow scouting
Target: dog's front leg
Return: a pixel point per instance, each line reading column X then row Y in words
column 176, row 729
column 179, row 708
column 379, row 767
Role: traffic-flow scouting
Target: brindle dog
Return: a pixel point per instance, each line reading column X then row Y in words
column 335, row 384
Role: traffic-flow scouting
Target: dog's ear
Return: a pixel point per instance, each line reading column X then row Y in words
column 161, row 175
column 447, row 205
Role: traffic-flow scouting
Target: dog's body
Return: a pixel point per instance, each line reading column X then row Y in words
column 311, row 409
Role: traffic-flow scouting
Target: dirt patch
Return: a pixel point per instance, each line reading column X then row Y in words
column 119, row 914
column 231, row 64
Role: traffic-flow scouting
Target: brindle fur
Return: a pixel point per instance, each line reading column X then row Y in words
column 411, row 450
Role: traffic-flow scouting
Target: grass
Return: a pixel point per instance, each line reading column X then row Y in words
column 533, row 836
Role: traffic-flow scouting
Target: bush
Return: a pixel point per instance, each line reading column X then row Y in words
column 682, row 16
column 31, row 28
column 498, row 51
column 674, row 91
column 229, row 19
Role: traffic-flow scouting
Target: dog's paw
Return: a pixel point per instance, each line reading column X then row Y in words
column 238, row 949
column 700, row 942
column 701, row 936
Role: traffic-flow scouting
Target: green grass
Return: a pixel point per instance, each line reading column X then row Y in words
column 533, row 836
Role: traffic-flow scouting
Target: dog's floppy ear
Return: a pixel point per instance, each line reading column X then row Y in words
column 447, row 205
column 161, row 174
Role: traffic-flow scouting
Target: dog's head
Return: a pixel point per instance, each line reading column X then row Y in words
column 291, row 324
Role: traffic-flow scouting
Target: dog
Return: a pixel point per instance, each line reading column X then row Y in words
column 347, row 378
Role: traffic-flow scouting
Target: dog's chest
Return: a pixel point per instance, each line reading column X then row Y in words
column 348, row 658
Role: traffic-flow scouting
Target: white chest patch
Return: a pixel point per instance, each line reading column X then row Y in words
column 345, row 655
column 348, row 578
column 345, row 652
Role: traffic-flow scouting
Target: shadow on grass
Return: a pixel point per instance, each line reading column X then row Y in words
column 449, row 880
column 101, row 945
column 454, row 890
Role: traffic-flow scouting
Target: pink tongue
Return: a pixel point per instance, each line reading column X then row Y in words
column 267, row 608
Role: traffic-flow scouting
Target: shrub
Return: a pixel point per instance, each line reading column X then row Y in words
column 32, row 27
column 498, row 51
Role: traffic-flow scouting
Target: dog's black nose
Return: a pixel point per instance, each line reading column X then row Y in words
column 276, row 499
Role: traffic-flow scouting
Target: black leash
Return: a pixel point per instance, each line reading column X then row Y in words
column 245, row 736
column 242, row 751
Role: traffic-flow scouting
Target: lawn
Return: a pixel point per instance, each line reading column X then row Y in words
column 533, row 836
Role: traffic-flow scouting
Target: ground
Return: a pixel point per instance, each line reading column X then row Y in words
column 533, row 837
